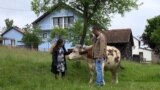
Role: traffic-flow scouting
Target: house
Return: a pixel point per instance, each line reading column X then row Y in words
column 141, row 54
column 1, row 41
column 0, row 38
column 61, row 15
column 12, row 37
column 122, row 39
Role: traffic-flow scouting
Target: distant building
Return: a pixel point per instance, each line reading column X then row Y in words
column 130, row 47
column 141, row 54
column 0, row 38
column 62, row 15
column 122, row 39
column 12, row 37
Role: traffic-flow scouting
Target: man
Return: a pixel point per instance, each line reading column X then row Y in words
column 99, row 54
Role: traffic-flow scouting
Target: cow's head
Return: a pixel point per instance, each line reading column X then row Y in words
column 76, row 52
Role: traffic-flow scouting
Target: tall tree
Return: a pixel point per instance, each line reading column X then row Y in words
column 9, row 23
column 151, row 35
column 71, row 34
column 76, row 32
column 31, row 37
column 94, row 11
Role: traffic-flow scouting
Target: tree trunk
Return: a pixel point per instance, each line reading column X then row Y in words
column 32, row 47
column 85, row 27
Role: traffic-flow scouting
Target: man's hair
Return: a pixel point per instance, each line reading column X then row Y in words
column 96, row 27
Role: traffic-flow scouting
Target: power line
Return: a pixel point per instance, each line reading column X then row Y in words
column 14, row 9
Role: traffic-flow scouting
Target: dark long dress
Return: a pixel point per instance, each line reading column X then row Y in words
column 55, row 60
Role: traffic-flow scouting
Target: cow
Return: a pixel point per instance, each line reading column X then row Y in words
column 112, row 62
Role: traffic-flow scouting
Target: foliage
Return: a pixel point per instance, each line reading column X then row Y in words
column 58, row 33
column 71, row 34
column 93, row 11
column 155, row 37
column 32, row 37
column 151, row 35
column 30, row 70
column 75, row 33
column 9, row 23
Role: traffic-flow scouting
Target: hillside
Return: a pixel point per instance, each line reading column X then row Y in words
column 30, row 70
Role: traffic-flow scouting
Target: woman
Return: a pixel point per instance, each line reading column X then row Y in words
column 59, row 65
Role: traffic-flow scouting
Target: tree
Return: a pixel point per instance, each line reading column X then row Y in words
column 58, row 33
column 151, row 35
column 75, row 33
column 31, row 37
column 155, row 37
column 9, row 23
column 94, row 11
column 71, row 34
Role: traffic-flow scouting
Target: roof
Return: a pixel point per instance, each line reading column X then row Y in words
column 148, row 49
column 6, row 38
column 15, row 28
column 136, row 38
column 141, row 46
column 119, row 36
column 56, row 7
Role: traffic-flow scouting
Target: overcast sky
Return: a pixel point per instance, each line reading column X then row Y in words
column 20, row 12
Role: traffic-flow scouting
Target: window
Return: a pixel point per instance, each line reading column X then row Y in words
column 68, row 21
column 55, row 22
column 44, row 35
column 63, row 22
column 58, row 22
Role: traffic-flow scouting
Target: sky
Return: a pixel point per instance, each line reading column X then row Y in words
column 20, row 11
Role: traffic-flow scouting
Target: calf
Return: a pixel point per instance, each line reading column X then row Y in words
column 112, row 62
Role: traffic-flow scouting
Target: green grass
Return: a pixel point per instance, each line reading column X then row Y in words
column 30, row 70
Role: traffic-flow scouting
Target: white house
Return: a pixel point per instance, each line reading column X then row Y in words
column 59, row 17
column 12, row 37
column 138, row 50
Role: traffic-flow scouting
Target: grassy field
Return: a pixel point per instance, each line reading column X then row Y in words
column 30, row 70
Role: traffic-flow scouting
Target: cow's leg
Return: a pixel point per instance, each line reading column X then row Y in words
column 91, row 70
column 114, row 76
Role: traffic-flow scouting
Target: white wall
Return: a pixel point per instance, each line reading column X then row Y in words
column 147, row 54
column 13, row 34
column 135, row 49
column 44, row 46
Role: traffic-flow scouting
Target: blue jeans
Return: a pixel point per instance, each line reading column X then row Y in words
column 100, row 71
